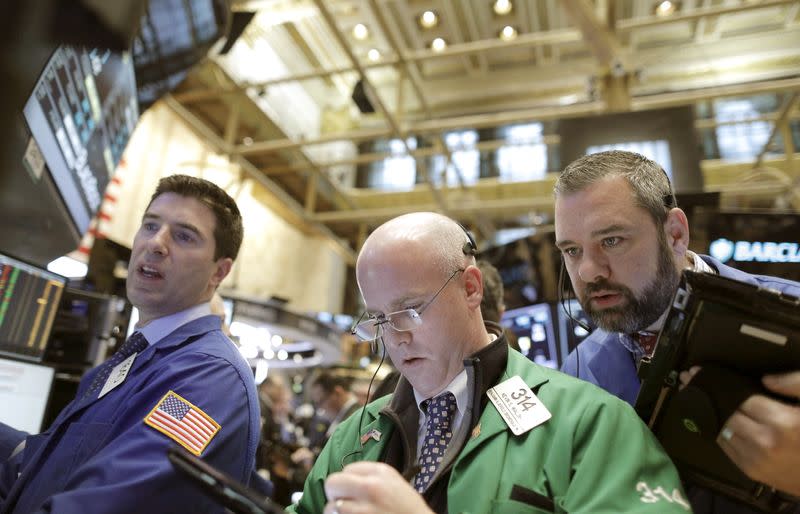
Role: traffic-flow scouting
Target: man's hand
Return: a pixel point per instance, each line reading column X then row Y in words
column 371, row 487
column 763, row 436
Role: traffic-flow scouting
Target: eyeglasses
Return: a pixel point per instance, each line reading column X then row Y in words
column 401, row 321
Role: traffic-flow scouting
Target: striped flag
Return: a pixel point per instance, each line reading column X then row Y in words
column 181, row 421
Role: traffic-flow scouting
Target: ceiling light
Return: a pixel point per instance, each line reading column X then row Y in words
column 438, row 44
column 374, row 55
column 508, row 33
column 665, row 8
column 428, row 19
column 360, row 31
column 502, row 7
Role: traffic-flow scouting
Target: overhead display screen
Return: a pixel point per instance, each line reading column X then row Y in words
column 81, row 114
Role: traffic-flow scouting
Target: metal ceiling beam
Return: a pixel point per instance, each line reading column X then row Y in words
column 603, row 44
column 644, row 102
column 481, row 146
column 297, row 214
column 662, row 100
column 502, row 207
column 788, row 106
column 373, row 95
column 702, row 12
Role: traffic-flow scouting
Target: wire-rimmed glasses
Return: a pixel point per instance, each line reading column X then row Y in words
column 402, row 321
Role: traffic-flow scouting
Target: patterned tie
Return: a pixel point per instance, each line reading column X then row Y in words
column 135, row 344
column 438, row 432
column 647, row 341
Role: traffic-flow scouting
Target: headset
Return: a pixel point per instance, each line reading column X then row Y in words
column 469, row 248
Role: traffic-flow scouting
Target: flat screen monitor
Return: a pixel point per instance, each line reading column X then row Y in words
column 24, row 393
column 533, row 326
column 81, row 115
column 29, row 299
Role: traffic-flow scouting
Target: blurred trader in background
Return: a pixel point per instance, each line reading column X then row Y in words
column 493, row 304
column 438, row 443
column 624, row 244
column 177, row 381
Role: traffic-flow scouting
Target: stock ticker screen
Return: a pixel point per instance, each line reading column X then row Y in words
column 29, row 299
column 82, row 112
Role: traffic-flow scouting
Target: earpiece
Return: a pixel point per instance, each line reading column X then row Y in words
column 469, row 248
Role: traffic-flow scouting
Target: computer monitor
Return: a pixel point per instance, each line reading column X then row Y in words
column 29, row 299
column 533, row 326
column 81, row 114
column 24, row 393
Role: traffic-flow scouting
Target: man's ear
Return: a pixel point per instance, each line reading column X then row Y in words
column 473, row 286
column 224, row 265
column 677, row 231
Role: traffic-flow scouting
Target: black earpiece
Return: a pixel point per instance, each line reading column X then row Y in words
column 469, row 248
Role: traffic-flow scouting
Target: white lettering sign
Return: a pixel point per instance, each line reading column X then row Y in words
column 749, row 251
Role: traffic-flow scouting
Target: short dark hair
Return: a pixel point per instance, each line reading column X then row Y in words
column 492, row 301
column 228, row 231
column 648, row 180
column 327, row 381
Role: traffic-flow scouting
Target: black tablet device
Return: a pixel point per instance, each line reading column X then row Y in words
column 222, row 487
column 737, row 332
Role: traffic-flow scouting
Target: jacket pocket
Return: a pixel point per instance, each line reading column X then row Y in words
column 532, row 498
column 515, row 507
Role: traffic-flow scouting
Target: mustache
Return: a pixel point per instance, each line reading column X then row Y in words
column 604, row 285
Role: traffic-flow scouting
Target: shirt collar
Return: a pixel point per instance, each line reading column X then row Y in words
column 159, row 328
column 698, row 264
column 458, row 386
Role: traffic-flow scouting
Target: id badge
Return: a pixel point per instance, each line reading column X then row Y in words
column 118, row 375
column 518, row 406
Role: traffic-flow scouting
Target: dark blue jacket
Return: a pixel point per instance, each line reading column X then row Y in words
column 100, row 456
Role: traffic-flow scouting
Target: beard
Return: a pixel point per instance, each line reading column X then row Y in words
column 636, row 312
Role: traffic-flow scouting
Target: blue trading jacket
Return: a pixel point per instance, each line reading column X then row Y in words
column 100, row 456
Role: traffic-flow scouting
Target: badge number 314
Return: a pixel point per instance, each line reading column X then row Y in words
column 518, row 405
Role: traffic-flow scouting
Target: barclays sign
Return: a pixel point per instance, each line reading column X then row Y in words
column 749, row 251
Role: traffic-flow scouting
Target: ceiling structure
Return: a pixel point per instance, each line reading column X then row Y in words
column 563, row 59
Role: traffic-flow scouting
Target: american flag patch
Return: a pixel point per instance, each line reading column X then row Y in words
column 181, row 421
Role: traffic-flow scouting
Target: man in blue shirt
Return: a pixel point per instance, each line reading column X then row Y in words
column 177, row 381
column 624, row 244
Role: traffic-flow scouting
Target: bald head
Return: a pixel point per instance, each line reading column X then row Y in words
column 428, row 238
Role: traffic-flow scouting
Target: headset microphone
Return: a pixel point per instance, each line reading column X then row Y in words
column 563, row 302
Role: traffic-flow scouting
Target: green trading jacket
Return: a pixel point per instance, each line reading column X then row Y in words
column 594, row 455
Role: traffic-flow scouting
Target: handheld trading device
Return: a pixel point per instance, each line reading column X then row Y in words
column 737, row 332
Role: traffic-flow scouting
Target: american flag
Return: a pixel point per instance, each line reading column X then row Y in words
column 181, row 421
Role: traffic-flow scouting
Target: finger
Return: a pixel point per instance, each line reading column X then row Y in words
column 763, row 410
column 344, row 485
column 785, row 383
column 737, row 439
column 366, row 468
